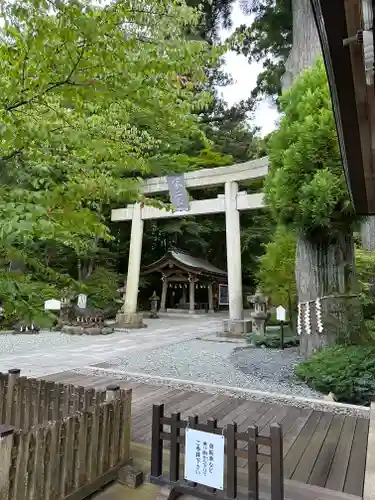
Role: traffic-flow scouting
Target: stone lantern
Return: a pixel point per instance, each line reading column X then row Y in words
column 154, row 305
column 259, row 315
column 121, row 300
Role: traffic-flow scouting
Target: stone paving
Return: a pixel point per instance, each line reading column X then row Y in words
column 53, row 352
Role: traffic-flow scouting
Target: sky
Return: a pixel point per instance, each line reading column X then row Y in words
column 244, row 77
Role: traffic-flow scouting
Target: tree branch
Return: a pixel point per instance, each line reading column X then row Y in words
column 11, row 155
column 52, row 86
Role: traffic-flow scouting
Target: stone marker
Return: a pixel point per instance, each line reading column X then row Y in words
column 130, row 476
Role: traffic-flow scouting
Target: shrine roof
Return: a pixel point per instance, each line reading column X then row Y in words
column 185, row 262
column 348, row 55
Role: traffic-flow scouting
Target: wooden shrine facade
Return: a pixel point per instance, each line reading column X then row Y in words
column 188, row 283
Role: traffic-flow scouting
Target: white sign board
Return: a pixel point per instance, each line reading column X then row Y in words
column 280, row 313
column 82, row 301
column 52, row 305
column 204, row 458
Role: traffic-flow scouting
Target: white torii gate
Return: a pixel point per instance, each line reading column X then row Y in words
column 231, row 202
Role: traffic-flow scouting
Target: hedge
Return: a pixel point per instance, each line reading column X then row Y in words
column 346, row 371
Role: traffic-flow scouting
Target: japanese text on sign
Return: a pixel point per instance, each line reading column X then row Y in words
column 204, row 458
column 177, row 192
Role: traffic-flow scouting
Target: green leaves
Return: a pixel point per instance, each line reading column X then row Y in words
column 91, row 102
column 346, row 371
column 276, row 268
column 306, row 188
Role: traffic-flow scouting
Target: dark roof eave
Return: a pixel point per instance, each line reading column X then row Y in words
column 331, row 23
column 168, row 259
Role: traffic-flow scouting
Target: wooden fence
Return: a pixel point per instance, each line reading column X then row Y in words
column 251, row 452
column 60, row 442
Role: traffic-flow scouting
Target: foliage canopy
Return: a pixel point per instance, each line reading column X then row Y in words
column 93, row 98
column 306, row 188
column 268, row 40
column 276, row 268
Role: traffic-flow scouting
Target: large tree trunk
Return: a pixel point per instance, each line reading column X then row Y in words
column 367, row 234
column 329, row 308
column 306, row 44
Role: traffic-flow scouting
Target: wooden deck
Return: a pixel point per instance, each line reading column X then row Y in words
column 320, row 448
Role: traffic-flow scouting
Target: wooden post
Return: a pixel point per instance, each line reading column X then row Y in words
column 282, row 335
column 174, row 460
column 369, row 486
column 231, row 461
column 210, row 298
column 252, row 465
column 211, row 426
column 277, row 473
column 112, row 392
column 156, row 441
column 192, row 281
column 6, row 442
column 164, row 291
column 193, row 421
column 13, row 376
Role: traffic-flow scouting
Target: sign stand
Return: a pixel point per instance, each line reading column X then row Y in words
column 282, row 335
column 280, row 316
column 205, row 458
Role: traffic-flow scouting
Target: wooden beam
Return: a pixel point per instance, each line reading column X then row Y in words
column 369, row 486
column 331, row 23
column 197, row 207
column 202, row 178
column 364, row 95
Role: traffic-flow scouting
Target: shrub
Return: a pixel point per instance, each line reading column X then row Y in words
column 346, row 371
column 272, row 340
column 101, row 288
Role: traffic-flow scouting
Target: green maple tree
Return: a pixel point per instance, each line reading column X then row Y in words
column 94, row 98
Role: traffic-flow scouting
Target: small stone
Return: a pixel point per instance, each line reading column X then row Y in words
column 92, row 330
column 72, row 330
column 107, row 330
column 329, row 397
column 130, row 476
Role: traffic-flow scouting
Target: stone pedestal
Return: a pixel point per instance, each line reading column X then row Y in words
column 130, row 476
column 130, row 320
column 236, row 327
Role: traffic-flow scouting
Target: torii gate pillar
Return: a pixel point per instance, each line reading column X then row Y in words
column 233, row 240
column 129, row 317
column 235, row 325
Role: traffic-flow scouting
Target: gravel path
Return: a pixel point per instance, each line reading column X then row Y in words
column 218, row 363
column 53, row 352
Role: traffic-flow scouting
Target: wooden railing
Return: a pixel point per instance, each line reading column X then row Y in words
column 60, row 442
column 250, row 452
